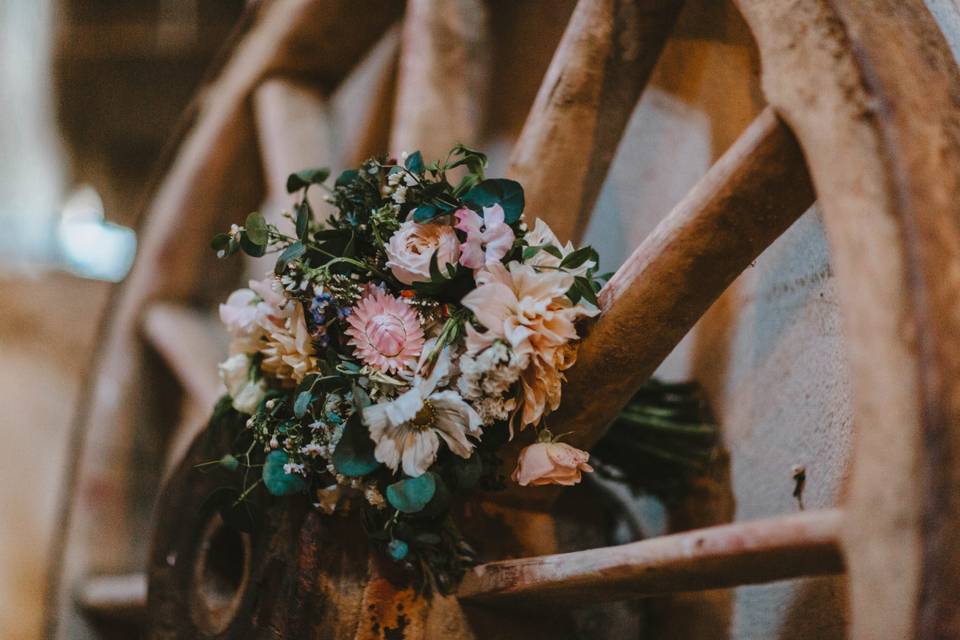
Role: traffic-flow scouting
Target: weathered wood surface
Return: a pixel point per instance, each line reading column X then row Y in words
column 213, row 180
column 443, row 78
column 571, row 134
column 746, row 200
column 804, row 544
column 301, row 574
column 191, row 344
column 122, row 597
column 293, row 131
column 871, row 92
column 850, row 80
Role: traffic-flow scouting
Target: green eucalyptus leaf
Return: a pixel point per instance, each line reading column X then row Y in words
column 302, row 405
column 414, row 162
column 347, row 177
column 304, row 216
column 251, row 248
column 294, row 251
column 412, row 494
column 507, row 193
column 353, row 455
column 278, row 481
column 256, row 228
column 305, row 178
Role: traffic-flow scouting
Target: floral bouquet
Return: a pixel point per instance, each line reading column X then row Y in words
column 399, row 344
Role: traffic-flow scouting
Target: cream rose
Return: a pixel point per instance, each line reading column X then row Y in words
column 413, row 245
column 245, row 393
column 550, row 463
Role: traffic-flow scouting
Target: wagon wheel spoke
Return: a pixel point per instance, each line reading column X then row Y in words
column 190, row 344
column 599, row 70
column 293, row 131
column 757, row 189
column 363, row 103
column 791, row 546
column 442, row 77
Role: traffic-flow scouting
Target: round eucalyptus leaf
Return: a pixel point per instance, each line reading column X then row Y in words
column 413, row 494
column 277, row 480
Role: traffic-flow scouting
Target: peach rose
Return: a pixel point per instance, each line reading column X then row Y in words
column 413, row 245
column 550, row 463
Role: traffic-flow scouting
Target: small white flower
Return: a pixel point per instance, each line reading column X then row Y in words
column 292, row 467
column 313, row 450
column 408, row 430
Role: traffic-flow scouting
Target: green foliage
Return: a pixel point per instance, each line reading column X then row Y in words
column 413, row 494
column 304, row 215
column 291, row 253
column 302, row 404
column 305, row 178
column 663, row 438
column 278, row 481
column 353, row 456
column 507, row 193
column 415, row 163
column 256, row 229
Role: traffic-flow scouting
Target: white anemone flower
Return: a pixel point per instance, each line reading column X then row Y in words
column 408, row 429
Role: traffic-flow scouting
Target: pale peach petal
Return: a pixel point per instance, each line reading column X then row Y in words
column 551, row 463
column 413, row 245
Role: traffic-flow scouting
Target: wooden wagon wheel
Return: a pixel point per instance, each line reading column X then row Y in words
column 863, row 104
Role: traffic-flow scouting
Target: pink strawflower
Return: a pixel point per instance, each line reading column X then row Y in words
column 385, row 332
column 488, row 238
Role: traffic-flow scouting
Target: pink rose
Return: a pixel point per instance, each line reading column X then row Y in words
column 488, row 238
column 413, row 245
column 550, row 463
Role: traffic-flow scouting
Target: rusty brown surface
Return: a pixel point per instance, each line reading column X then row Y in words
column 313, row 576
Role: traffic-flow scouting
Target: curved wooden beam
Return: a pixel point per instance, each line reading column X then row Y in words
column 870, row 89
column 600, row 68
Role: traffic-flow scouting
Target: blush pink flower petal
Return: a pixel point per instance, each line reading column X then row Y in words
column 385, row 332
column 488, row 238
column 413, row 245
column 551, row 463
